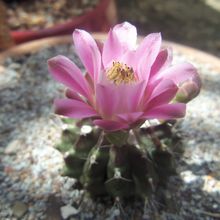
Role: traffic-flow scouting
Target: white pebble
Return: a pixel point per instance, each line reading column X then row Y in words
column 67, row 211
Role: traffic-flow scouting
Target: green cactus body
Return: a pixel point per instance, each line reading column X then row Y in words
column 94, row 171
column 76, row 157
column 73, row 165
column 69, row 137
column 164, row 164
column 143, row 173
column 119, row 182
column 121, row 170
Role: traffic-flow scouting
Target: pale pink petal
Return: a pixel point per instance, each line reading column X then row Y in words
column 179, row 73
column 163, row 60
column 128, row 96
column 146, row 54
column 162, row 93
column 129, row 59
column 72, row 95
column 166, row 111
column 148, row 90
column 88, row 52
column 100, row 45
column 115, row 99
column 120, row 39
column 109, row 125
column 112, row 50
column 130, row 117
column 73, row 108
column 127, row 34
column 162, row 87
column 66, row 72
column 163, row 98
column 150, row 42
column 135, row 95
column 106, row 100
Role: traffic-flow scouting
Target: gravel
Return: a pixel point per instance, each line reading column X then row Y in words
column 31, row 184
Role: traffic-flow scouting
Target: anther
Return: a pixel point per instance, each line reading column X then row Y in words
column 121, row 73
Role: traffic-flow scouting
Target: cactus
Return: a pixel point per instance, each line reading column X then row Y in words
column 111, row 164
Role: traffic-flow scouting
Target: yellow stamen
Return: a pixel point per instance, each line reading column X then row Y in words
column 121, row 73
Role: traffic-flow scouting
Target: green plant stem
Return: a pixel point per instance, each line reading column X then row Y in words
column 137, row 136
column 100, row 139
column 155, row 139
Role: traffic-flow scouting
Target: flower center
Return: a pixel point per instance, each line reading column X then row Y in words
column 121, row 73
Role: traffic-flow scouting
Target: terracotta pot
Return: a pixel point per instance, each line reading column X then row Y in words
column 98, row 19
column 5, row 37
column 33, row 46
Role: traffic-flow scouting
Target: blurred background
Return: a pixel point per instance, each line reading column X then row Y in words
column 190, row 22
column 31, row 185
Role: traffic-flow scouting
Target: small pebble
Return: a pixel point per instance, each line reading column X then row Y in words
column 19, row 209
column 188, row 176
column 67, row 211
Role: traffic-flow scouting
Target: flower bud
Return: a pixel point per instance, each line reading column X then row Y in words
column 188, row 91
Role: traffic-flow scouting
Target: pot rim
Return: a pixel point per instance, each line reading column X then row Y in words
column 99, row 14
column 35, row 45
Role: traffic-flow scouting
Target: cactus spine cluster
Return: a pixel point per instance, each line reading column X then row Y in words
column 122, row 164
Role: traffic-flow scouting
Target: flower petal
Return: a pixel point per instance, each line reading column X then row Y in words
column 114, row 99
column 66, row 72
column 72, row 95
column 166, row 111
column 129, row 59
column 109, row 125
column 129, row 96
column 163, row 98
column 127, row 34
column 179, row 73
column 147, row 53
column 134, row 95
column 147, row 94
column 120, row 39
column 73, row 108
column 88, row 52
column 163, row 93
column 106, row 100
column 163, row 60
column 130, row 117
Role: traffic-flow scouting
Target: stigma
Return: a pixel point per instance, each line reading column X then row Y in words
column 121, row 73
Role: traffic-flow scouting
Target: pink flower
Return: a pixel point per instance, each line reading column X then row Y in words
column 124, row 85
